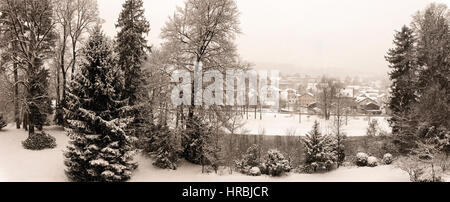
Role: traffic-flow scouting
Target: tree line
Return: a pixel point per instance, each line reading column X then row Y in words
column 420, row 91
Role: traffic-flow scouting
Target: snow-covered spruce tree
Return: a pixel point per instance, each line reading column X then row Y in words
column 164, row 144
column 132, row 50
column 99, row 149
column 403, row 63
column 319, row 150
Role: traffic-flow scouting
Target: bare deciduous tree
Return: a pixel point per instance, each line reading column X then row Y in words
column 85, row 15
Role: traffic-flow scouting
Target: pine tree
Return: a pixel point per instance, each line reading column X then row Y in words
column 402, row 59
column 99, row 149
column 319, row 150
column 131, row 49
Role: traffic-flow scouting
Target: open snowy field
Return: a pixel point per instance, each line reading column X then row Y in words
column 18, row 164
column 280, row 124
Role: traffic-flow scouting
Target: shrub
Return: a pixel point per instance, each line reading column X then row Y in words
column 361, row 159
column 252, row 158
column 276, row 163
column 428, row 174
column 372, row 161
column 420, row 171
column 387, row 159
column 39, row 141
column 263, row 168
column 255, row 171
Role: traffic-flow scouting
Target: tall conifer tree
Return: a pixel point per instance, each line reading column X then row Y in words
column 403, row 63
column 99, row 150
column 132, row 51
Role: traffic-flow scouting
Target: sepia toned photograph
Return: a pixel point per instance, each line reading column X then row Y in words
column 225, row 91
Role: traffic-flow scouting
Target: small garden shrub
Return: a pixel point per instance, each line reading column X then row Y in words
column 252, row 158
column 276, row 164
column 255, row 171
column 39, row 141
column 361, row 159
column 372, row 161
column 387, row 159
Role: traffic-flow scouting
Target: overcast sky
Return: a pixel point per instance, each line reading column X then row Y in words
column 322, row 35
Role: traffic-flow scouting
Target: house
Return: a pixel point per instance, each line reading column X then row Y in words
column 306, row 99
column 348, row 92
column 312, row 87
column 369, row 105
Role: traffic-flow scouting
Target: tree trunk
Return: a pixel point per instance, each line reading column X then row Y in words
column 30, row 125
column 74, row 55
column 25, row 120
column 16, row 97
column 58, row 89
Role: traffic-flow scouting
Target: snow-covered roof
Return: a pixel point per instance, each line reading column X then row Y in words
column 360, row 99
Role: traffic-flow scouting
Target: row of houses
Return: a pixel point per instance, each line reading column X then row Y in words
column 367, row 101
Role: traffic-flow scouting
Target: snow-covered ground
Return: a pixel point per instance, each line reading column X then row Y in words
column 18, row 164
column 280, row 124
column 192, row 173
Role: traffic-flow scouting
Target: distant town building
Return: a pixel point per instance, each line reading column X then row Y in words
column 306, row 99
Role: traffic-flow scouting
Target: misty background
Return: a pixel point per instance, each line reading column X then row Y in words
column 337, row 38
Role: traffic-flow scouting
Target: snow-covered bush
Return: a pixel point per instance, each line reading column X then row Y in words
column 39, row 141
column 263, row 168
column 361, row 159
column 255, row 171
column 387, row 159
column 252, row 158
column 428, row 174
column 276, row 163
column 2, row 122
column 420, row 171
column 372, row 161
column 423, row 173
